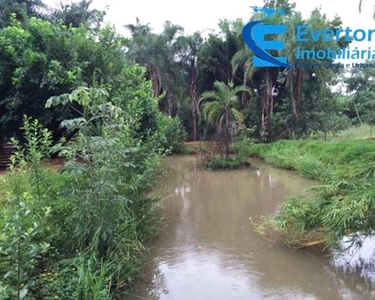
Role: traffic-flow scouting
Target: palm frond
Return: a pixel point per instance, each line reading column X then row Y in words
column 240, row 59
column 234, row 101
column 249, row 70
column 222, row 90
column 238, row 116
column 210, row 95
column 222, row 109
column 243, row 88
column 211, row 111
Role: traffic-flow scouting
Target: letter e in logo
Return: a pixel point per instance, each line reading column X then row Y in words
column 254, row 35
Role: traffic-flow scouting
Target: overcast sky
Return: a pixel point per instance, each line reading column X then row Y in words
column 197, row 15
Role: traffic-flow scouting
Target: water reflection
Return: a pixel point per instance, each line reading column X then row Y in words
column 209, row 250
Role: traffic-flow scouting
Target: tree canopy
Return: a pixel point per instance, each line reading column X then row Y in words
column 47, row 52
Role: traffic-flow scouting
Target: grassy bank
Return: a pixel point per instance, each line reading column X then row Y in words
column 318, row 159
column 344, row 204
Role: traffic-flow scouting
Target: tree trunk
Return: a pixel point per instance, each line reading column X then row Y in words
column 296, row 94
column 171, row 104
column 295, row 115
column 228, row 139
column 266, row 110
column 357, row 112
column 245, row 99
column 194, row 104
column 155, row 79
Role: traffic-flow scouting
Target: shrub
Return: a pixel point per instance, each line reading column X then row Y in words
column 174, row 134
column 94, row 215
column 244, row 142
column 221, row 163
column 114, row 216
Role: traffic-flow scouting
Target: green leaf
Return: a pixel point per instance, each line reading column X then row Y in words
column 23, row 293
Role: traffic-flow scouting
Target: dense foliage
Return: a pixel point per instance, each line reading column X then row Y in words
column 54, row 51
column 46, row 59
column 89, row 222
column 283, row 103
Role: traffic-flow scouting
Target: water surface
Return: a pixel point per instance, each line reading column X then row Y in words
column 210, row 251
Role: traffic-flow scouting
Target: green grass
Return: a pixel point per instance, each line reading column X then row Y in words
column 362, row 132
column 317, row 159
column 3, row 188
column 344, row 203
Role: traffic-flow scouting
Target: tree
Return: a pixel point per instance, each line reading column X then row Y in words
column 158, row 54
column 285, row 5
column 215, row 55
column 243, row 59
column 361, row 86
column 46, row 59
column 189, row 47
column 263, row 81
column 21, row 8
column 221, row 110
column 78, row 13
column 295, row 77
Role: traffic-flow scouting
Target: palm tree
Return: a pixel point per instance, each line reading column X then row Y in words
column 221, row 110
column 77, row 13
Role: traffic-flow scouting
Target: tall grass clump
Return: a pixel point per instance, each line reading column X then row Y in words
column 343, row 204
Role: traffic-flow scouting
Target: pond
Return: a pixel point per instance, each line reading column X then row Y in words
column 209, row 249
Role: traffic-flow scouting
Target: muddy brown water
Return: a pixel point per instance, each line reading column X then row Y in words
column 209, row 250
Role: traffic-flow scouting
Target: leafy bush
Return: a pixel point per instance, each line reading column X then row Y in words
column 23, row 244
column 174, row 134
column 221, row 163
column 244, row 141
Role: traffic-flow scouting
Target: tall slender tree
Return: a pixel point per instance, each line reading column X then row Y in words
column 189, row 47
